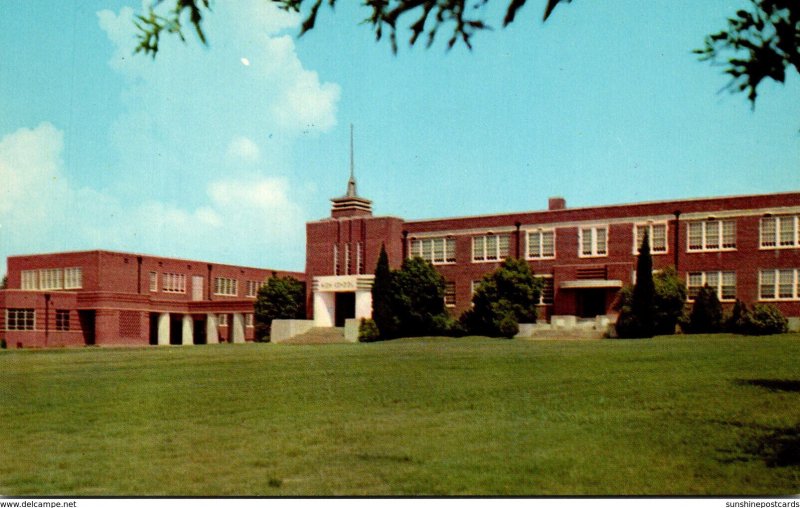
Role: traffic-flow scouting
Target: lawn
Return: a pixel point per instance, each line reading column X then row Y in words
column 672, row 415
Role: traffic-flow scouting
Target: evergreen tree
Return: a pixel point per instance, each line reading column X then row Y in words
column 644, row 291
column 382, row 312
column 417, row 297
column 279, row 298
column 706, row 315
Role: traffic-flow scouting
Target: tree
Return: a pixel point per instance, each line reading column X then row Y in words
column 417, row 298
column 706, row 314
column 4, row 283
column 279, row 298
column 759, row 43
column 506, row 297
column 382, row 313
column 637, row 317
column 668, row 304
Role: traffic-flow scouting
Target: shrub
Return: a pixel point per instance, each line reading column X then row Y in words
column 507, row 295
column 279, row 298
column 417, row 297
column 382, row 311
column 368, row 331
column 668, row 305
column 766, row 319
column 738, row 320
column 3, row 344
column 706, row 314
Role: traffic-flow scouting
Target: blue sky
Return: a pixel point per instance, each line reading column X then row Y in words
column 197, row 155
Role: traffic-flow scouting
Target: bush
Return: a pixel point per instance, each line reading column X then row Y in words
column 3, row 344
column 417, row 298
column 738, row 320
column 669, row 303
column 505, row 298
column 368, row 331
column 706, row 314
column 382, row 301
column 766, row 319
column 279, row 298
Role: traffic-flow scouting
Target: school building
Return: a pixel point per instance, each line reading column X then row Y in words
column 745, row 247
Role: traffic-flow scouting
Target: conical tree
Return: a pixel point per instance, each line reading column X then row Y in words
column 382, row 312
column 643, row 302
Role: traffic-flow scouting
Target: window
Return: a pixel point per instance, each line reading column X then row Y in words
column 252, row 288
column 223, row 320
column 490, row 247
column 436, row 250
column 335, row 259
column 153, row 282
column 29, row 280
column 347, row 259
column 779, row 232
column 173, row 282
column 226, row 287
column 548, row 291
column 62, row 320
column 724, row 283
column 20, row 319
column 781, row 284
column 656, row 234
column 73, row 278
column 50, row 279
column 711, row 235
column 450, row 294
column 593, row 241
column 248, row 320
column 359, row 258
column 541, row 244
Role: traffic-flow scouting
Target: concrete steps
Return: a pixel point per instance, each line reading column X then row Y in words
column 319, row 336
column 574, row 333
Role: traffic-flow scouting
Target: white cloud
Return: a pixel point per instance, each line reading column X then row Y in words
column 244, row 149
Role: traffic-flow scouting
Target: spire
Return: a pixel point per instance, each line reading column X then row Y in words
column 351, row 184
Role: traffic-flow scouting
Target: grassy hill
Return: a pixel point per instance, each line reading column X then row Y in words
column 672, row 415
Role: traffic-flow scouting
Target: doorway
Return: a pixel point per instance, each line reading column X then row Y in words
column 591, row 303
column 345, row 308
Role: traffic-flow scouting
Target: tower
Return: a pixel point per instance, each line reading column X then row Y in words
column 351, row 204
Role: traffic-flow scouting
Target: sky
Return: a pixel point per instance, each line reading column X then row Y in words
column 222, row 152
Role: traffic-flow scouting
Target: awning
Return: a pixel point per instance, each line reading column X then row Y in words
column 591, row 283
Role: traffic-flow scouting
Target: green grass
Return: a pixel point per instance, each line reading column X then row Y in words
column 672, row 415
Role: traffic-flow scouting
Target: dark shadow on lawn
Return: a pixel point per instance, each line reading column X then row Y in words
column 775, row 446
column 773, row 385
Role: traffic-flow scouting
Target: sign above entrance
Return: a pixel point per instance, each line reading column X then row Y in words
column 343, row 283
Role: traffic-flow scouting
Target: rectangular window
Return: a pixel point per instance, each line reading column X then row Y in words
column 335, row 259
column 781, row 284
column 593, row 241
column 474, row 286
column 153, row 282
column 73, row 278
column 226, row 287
column 20, row 319
column 50, row 279
column 62, row 320
column 656, row 234
column 29, row 280
column 723, row 283
column 347, row 259
column 711, row 235
column 173, row 282
column 248, row 320
column 490, row 247
column 541, row 244
column 359, row 258
column 548, row 291
column 436, row 250
column 252, row 288
column 223, row 320
column 450, row 294
column 779, row 232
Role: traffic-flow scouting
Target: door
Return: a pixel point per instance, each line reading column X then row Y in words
column 345, row 308
column 197, row 287
column 591, row 303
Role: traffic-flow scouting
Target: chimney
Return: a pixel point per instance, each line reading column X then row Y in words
column 556, row 203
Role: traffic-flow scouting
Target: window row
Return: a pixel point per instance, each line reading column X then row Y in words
column 723, row 283
column 545, row 298
column 351, row 253
column 781, row 284
column 173, row 282
column 225, row 286
column 52, row 279
column 780, row 232
column 25, row 320
column 436, row 250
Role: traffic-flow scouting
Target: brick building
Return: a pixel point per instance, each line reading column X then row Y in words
column 745, row 247
column 118, row 299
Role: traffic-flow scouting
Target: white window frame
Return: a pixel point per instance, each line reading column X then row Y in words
column 51, row 279
column 222, row 320
column 73, row 278
column 775, row 241
column 335, row 259
column 172, row 282
column 252, row 288
column 249, row 320
column 225, row 286
column 651, row 226
column 450, row 284
column 347, row 259
column 706, row 238
column 541, row 295
column 62, row 320
column 717, row 287
column 359, row 258
column 153, row 280
column 595, row 251
column 541, row 251
column 775, row 273
column 482, row 252
column 20, row 317
column 427, row 249
column 29, row 280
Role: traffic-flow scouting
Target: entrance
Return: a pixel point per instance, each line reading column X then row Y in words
column 591, row 302
column 345, row 308
column 86, row 317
